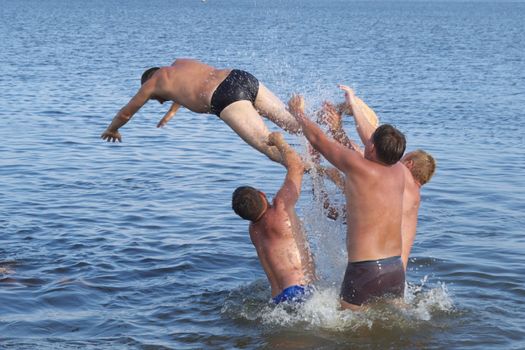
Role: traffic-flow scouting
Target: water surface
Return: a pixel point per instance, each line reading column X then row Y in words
column 135, row 246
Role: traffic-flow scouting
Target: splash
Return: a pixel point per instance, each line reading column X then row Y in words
column 6, row 267
column 322, row 311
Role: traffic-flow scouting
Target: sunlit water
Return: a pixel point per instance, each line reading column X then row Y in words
column 135, row 246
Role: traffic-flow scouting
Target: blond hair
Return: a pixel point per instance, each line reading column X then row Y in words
column 424, row 165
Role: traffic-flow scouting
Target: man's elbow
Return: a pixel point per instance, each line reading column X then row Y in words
column 124, row 115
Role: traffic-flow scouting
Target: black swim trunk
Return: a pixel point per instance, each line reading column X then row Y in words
column 367, row 280
column 238, row 85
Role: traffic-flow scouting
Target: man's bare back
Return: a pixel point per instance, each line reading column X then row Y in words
column 374, row 195
column 278, row 243
column 275, row 229
column 190, row 83
column 235, row 96
column 374, row 211
column 419, row 166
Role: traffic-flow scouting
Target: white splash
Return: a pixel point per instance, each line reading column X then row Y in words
column 322, row 310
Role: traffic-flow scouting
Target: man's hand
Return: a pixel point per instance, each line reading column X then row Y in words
column 164, row 120
column 290, row 157
column 349, row 94
column 169, row 114
column 331, row 117
column 276, row 139
column 296, row 106
column 111, row 136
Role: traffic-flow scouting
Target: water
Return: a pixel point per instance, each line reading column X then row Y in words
column 134, row 246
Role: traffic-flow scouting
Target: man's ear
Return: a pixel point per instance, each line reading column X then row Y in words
column 371, row 146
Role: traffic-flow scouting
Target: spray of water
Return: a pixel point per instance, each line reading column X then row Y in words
column 322, row 310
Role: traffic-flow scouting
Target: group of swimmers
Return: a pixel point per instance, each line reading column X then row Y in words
column 381, row 183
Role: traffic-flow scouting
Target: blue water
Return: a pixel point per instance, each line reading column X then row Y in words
column 135, row 246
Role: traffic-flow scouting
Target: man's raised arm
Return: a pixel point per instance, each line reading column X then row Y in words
column 365, row 118
column 291, row 188
column 341, row 157
column 333, row 118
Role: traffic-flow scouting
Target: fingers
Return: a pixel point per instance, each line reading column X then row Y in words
column 345, row 88
column 328, row 105
column 275, row 138
column 270, row 140
column 111, row 138
column 348, row 90
column 296, row 102
column 164, row 120
column 330, row 108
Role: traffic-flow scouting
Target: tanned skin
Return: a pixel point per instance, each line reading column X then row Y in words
column 366, row 120
column 373, row 191
column 191, row 84
column 278, row 235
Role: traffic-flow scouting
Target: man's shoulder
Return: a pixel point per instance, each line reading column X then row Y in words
column 183, row 60
column 393, row 175
column 277, row 213
column 375, row 169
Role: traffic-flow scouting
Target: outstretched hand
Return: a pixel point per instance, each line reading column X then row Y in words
column 349, row 94
column 164, row 121
column 331, row 117
column 111, row 136
column 275, row 139
column 169, row 114
column 296, row 106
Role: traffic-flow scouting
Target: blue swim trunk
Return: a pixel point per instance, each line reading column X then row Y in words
column 294, row 293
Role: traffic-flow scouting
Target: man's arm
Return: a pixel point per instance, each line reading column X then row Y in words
column 125, row 114
column 363, row 115
column 332, row 212
column 291, row 188
column 344, row 108
column 409, row 234
column 342, row 158
column 333, row 118
column 169, row 114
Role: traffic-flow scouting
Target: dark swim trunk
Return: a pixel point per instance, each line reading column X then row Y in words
column 238, row 86
column 295, row 293
column 367, row 280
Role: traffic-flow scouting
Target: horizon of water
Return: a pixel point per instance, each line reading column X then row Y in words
column 135, row 246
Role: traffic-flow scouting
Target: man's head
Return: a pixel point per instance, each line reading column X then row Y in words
column 148, row 74
column 421, row 164
column 389, row 144
column 249, row 203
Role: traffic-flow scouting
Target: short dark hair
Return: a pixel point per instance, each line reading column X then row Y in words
column 389, row 143
column 148, row 74
column 247, row 203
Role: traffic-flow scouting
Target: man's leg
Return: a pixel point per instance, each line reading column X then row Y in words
column 275, row 110
column 248, row 124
